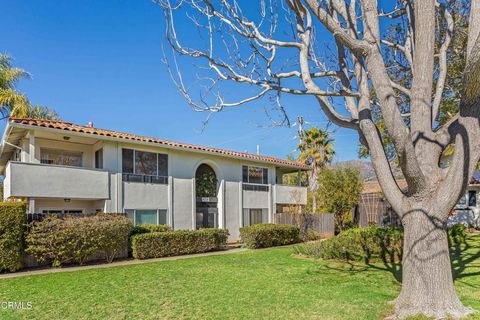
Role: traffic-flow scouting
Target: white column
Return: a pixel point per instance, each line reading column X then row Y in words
column 240, row 202
column 119, row 191
column 24, row 155
column 170, row 201
column 221, row 205
column 31, row 146
column 270, row 198
column 194, row 206
column 31, row 206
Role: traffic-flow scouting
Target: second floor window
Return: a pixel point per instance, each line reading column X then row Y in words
column 61, row 157
column 99, row 159
column 144, row 163
column 256, row 175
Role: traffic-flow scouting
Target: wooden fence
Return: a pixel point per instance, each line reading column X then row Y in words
column 323, row 224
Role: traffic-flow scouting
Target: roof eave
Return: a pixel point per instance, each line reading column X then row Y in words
column 148, row 143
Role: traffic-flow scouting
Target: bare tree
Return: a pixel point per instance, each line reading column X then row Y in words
column 276, row 49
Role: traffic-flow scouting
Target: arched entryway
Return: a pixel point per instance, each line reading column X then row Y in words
column 206, row 191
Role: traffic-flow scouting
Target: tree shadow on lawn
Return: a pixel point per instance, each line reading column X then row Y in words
column 463, row 257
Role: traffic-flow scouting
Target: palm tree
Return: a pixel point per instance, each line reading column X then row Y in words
column 14, row 103
column 316, row 150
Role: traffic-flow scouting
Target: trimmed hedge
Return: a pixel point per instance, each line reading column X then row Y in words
column 12, row 229
column 146, row 228
column 61, row 240
column 368, row 243
column 173, row 243
column 269, row 235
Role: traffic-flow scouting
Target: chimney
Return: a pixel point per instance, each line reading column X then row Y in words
column 90, row 124
column 258, row 149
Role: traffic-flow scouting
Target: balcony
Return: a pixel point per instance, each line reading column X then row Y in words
column 35, row 180
column 256, row 195
column 286, row 194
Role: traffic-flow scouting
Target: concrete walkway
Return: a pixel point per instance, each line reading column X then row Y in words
column 116, row 264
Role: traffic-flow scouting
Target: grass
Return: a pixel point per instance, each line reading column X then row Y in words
column 263, row 284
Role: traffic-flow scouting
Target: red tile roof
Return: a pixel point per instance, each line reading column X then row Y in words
column 67, row 126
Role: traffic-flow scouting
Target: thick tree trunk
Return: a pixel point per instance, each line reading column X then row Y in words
column 427, row 284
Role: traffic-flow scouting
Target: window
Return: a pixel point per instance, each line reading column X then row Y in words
column 151, row 216
column 142, row 166
column 256, row 175
column 472, row 198
column 146, row 163
column 61, row 157
column 254, row 216
column 127, row 161
column 99, row 159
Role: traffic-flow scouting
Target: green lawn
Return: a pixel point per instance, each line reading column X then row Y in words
column 263, row 284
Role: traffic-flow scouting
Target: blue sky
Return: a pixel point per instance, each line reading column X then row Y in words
column 101, row 61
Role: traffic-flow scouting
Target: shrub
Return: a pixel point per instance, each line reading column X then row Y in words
column 75, row 239
column 310, row 235
column 12, row 228
column 112, row 233
column 457, row 235
column 173, row 243
column 269, row 235
column 146, row 228
column 369, row 243
column 358, row 244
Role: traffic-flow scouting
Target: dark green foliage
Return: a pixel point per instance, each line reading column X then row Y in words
column 310, row 235
column 269, row 235
column 358, row 244
column 146, row 228
column 75, row 239
column 338, row 192
column 174, row 243
column 368, row 244
column 12, row 228
column 457, row 235
column 205, row 182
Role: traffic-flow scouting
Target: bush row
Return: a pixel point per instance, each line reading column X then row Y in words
column 358, row 244
column 12, row 229
column 172, row 243
column 146, row 228
column 269, row 235
column 61, row 240
column 368, row 243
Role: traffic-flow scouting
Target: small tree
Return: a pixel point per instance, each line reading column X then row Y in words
column 338, row 192
column 316, row 150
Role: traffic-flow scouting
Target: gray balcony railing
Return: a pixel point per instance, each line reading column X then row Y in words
column 132, row 177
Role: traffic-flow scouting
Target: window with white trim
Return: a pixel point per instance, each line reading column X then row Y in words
column 147, row 216
column 61, row 157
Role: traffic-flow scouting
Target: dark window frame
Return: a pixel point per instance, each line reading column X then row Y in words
column 129, row 169
column 99, row 159
column 246, row 174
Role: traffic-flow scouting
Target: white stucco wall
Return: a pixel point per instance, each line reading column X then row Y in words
column 145, row 196
column 183, row 204
column 178, row 197
column 232, row 209
column 47, row 181
column 256, row 199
